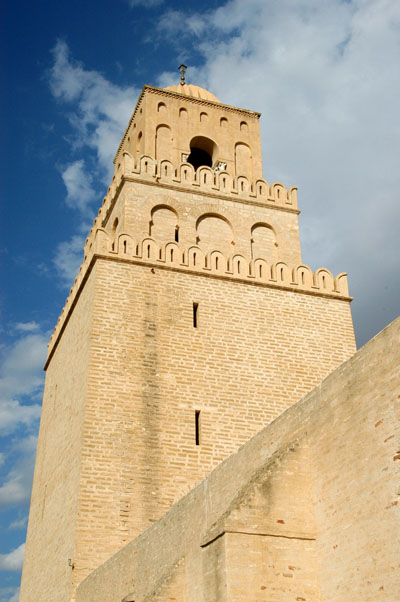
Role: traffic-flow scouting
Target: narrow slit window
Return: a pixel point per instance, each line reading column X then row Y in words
column 176, row 234
column 197, row 426
column 195, row 315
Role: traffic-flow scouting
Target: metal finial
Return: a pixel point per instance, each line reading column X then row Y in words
column 182, row 69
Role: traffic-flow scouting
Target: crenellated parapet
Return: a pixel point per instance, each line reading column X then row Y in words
column 205, row 181
column 173, row 255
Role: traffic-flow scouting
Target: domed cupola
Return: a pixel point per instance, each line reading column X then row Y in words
column 194, row 91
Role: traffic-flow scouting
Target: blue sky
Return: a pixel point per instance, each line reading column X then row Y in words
column 324, row 75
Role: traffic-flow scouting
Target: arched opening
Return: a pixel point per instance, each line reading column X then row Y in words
column 164, row 226
column 263, row 242
column 163, row 142
column 214, row 232
column 198, row 157
column 203, row 152
column 243, row 160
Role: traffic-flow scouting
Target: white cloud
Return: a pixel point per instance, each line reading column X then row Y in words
column 16, row 488
column 78, row 182
column 6, row 592
column 13, row 560
column 19, row 523
column 21, row 367
column 172, row 21
column 12, row 414
column 68, row 258
column 21, row 373
column 101, row 110
column 324, row 75
column 27, row 326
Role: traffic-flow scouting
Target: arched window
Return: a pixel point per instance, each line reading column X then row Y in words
column 203, row 151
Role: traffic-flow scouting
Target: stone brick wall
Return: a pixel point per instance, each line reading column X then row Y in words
column 307, row 510
column 254, row 351
column 51, row 536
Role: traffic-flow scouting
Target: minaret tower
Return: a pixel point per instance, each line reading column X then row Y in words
column 192, row 323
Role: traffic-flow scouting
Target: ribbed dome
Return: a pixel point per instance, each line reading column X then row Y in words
column 191, row 90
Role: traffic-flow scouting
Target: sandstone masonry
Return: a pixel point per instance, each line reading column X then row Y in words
column 192, row 323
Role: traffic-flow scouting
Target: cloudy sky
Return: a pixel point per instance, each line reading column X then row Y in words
column 323, row 73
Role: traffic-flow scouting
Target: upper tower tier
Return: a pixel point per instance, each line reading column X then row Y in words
column 188, row 194
column 186, row 123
